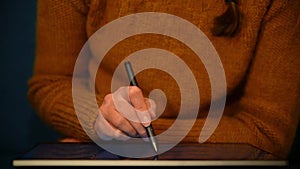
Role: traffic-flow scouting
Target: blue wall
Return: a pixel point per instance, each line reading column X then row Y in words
column 20, row 127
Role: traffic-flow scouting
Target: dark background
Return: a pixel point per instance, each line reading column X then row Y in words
column 20, row 127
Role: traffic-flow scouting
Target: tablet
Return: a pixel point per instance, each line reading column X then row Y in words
column 92, row 155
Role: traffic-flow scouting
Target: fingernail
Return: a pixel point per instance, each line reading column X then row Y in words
column 146, row 119
column 146, row 124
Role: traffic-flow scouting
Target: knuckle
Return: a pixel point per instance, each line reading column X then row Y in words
column 119, row 122
column 139, row 130
column 139, row 107
column 143, row 133
column 103, row 109
column 132, row 133
column 107, row 102
column 148, row 103
column 107, row 98
column 134, row 91
column 106, row 110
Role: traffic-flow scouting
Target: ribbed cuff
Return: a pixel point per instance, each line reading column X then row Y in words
column 75, row 115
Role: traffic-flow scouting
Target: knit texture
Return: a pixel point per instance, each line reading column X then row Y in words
column 261, row 64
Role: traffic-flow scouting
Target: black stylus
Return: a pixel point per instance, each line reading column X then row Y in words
column 133, row 82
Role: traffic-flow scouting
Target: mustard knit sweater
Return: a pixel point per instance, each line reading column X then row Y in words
column 261, row 63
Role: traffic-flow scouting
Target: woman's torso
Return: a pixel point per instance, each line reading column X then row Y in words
column 235, row 52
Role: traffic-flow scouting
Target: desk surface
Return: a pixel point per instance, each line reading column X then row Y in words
column 87, row 154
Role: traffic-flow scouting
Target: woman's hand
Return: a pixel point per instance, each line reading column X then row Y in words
column 124, row 114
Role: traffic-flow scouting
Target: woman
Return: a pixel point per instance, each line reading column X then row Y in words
column 257, row 41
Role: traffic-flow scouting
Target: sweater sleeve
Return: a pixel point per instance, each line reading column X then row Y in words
column 267, row 116
column 61, row 33
column 271, row 97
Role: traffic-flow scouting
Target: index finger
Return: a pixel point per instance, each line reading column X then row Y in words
column 137, row 100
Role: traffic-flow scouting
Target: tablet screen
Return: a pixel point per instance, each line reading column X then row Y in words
column 89, row 154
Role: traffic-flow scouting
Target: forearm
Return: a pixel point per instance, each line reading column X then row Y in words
column 60, row 36
column 52, row 99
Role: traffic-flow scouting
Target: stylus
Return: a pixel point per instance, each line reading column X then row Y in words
column 133, row 82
